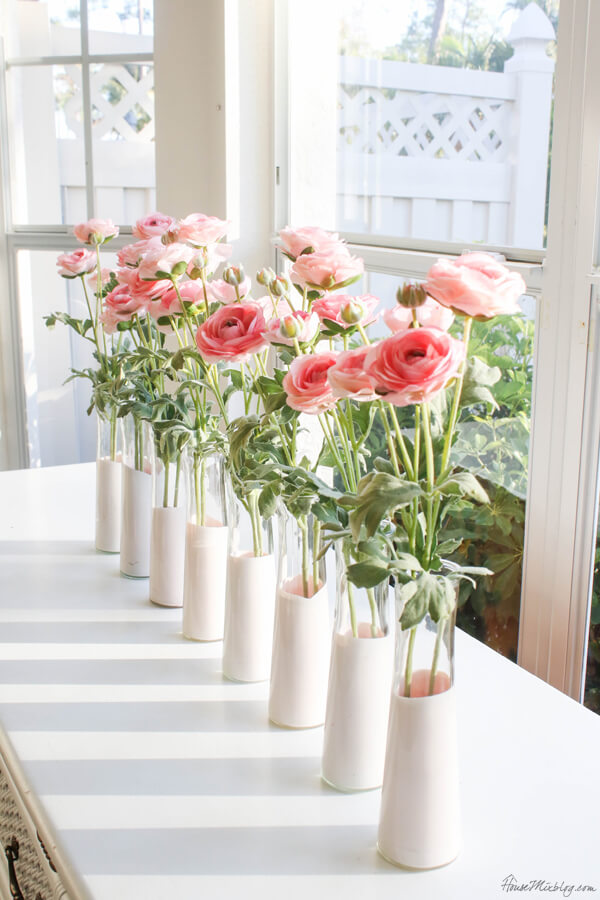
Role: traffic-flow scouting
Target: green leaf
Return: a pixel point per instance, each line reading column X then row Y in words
column 415, row 605
column 379, row 495
column 466, row 485
column 367, row 575
column 267, row 502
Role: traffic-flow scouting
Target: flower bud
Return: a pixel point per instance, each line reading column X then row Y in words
column 289, row 327
column 411, row 295
column 266, row 277
column 233, row 275
column 280, row 286
column 352, row 312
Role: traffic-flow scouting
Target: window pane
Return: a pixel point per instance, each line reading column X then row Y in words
column 46, row 142
column 493, row 445
column 120, row 26
column 44, row 28
column 442, row 133
column 123, row 133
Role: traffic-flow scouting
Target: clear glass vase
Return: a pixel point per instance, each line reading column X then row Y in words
column 360, row 678
column 136, row 498
column 302, row 629
column 167, row 530
column 108, row 482
column 206, row 542
column 250, row 598
column 420, row 817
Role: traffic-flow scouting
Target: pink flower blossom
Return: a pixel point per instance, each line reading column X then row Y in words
column 79, row 262
column 169, row 305
column 475, row 284
column 232, row 333
column 327, row 269
column 343, row 308
column 95, row 231
column 348, row 377
column 296, row 240
column 221, row 292
column 154, row 225
column 132, row 254
column 200, row 230
column 299, row 326
column 105, row 276
column 160, row 260
column 306, row 384
column 120, row 306
column 429, row 315
column 412, row 366
column 140, row 288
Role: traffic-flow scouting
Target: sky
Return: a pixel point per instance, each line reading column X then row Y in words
column 384, row 22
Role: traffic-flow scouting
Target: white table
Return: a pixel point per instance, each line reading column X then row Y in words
column 156, row 778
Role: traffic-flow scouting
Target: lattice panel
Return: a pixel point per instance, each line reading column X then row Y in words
column 436, row 126
column 122, row 101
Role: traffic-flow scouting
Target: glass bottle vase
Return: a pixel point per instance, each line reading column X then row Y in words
column 136, row 498
column 420, row 818
column 206, row 541
column 302, row 630
column 108, row 482
column 167, row 529
column 360, row 678
column 250, row 597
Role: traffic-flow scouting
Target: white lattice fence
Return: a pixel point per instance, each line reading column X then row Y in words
column 122, row 97
column 444, row 153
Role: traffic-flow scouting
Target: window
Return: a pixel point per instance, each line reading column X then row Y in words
column 79, row 112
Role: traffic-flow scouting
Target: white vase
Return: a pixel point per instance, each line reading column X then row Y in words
column 108, row 484
column 250, row 598
column 136, row 500
column 419, row 825
column 206, row 543
column 167, row 531
column 360, row 679
column 249, row 617
column 302, row 631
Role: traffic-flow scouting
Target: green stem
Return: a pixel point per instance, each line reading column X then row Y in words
column 316, row 551
column 373, row 606
column 198, row 493
column 409, row 662
column 455, row 400
column 441, row 625
column 177, row 477
column 166, row 467
column 390, row 439
column 401, row 444
column 303, row 526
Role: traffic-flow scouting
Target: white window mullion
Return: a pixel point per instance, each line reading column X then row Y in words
column 87, row 109
column 558, row 534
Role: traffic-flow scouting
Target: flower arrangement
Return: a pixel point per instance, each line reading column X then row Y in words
column 390, row 510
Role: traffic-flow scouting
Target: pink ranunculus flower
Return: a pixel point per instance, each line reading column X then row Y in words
column 296, row 240
column 200, row 230
column 414, row 365
column 429, row 315
column 327, row 269
column 120, row 306
column 306, row 384
column 475, row 284
column 154, row 225
column 105, row 276
column 348, row 377
column 343, row 308
column 221, row 292
column 232, row 333
column 132, row 254
column 168, row 304
column 160, row 260
column 95, row 231
column 79, row 262
column 140, row 288
column 299, row 326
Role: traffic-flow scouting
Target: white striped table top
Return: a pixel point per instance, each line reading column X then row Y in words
column 157, row 778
